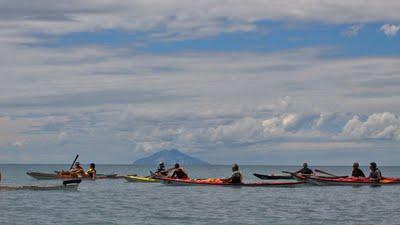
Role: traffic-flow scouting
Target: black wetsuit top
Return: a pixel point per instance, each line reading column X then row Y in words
column 180, row 174
column 357, row 173
column 305, row 171
column 236, row 177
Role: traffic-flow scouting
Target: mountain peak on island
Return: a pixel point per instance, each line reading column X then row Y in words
column 170, row 157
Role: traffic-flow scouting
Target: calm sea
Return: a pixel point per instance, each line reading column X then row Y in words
column 119, row 202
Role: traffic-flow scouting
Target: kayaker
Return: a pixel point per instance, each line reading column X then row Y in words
column 92, row 171
column 375, row 173
column 77, row 170
column 305, row 170
column 357, row 172
column 236, row 177
column 179, row 173
column 161, row 169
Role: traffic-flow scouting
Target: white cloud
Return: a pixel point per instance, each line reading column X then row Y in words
column 378, row 126
column 353, row 30
column 192, row 101
column 390, row 29
column 279, row 125
column 176, row 19
column 16, row 131
column 18, row 143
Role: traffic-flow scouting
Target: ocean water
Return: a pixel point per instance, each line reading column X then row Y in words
column 120, row 202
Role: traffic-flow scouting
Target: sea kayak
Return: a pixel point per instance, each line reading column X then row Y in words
column 272, row 177
column 131, row 178
column 70, row 185
column 220, row 182
column 352, row 181
column 54, row 176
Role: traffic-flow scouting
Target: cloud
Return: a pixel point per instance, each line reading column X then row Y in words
column 390, row 29
column 176, row 19
column 16, row 131
column 129, row 104
column 384, row 126
column 18, row 144
column 309, row 129
column 353, row 30
column 278, row 125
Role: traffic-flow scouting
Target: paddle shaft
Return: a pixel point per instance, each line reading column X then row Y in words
column 76, row 158
column 324, row 172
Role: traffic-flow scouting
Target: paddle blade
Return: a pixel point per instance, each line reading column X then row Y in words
column 77, row 181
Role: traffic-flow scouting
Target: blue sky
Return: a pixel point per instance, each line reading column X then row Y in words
column 261, row 82
column 267, row 37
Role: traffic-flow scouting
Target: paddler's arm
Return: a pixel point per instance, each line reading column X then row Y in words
column 173, row 174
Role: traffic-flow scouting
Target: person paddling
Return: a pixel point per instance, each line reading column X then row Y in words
column 92, row 171
column 375, row 173
column 179, row 173
column 236, row 177
column 161, row 171
column 77, row 170
column 305, row 170
column 357, row 172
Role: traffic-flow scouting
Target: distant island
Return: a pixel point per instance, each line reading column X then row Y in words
column 170, row 157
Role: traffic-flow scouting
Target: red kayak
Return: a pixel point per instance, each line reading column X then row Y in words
column 353, row 181
column 220, row 182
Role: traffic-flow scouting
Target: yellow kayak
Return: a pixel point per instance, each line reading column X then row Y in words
column 131, row 178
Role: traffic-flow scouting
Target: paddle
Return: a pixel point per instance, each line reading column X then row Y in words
column 288, row 172
column 326, row 173
column 77, row 181
column 72, row 165
column 298, row 175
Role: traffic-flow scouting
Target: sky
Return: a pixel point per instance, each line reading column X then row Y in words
column 253, row 82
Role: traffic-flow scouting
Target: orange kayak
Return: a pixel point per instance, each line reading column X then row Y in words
column 220, row 182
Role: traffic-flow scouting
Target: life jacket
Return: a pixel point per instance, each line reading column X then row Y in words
column 91, row 172
column 375, row 174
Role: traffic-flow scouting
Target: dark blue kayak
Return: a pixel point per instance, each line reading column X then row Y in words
column 272, row 177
